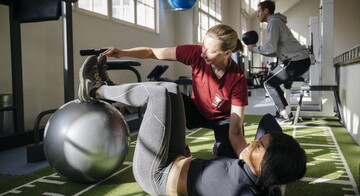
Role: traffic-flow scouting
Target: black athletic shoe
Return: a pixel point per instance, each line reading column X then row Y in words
column 89, row 79
column 102, row 67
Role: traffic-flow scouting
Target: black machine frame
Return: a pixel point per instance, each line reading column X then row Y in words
column 16, row 18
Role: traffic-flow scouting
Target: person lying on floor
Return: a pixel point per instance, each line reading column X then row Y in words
column 219, row 87
column 159, row 164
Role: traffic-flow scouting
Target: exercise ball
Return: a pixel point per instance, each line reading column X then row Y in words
column 250, row 37
column 181, row 4
column 86, row 141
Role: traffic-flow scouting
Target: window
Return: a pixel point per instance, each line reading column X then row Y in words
column 254, row 4
column 124, row 10
column 97, row 6
column 209, row 15
column 138, row 12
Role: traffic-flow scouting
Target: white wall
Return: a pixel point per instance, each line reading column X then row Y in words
column 298, row 16
column 346, row 36
column 349, row 95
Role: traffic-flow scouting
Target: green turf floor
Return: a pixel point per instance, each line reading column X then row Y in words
column 332, row 168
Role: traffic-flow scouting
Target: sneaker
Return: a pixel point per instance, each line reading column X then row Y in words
column 283, row 121
column 89, row 79
column 187, row 151
column 102, row 67
column 215, row 151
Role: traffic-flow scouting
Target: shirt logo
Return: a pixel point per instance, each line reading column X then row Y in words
column 217, row 101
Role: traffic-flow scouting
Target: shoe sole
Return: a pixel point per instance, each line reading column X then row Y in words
column 83, row 85
column 285, row 123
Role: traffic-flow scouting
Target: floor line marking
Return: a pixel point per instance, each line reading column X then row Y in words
column 325, row 180
column 335, row 145
column 94, row 185
column 193, row 132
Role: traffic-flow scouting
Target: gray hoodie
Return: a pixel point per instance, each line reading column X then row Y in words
column 281, row 42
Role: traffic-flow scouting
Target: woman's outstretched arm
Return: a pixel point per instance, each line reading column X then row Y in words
column 143, row 53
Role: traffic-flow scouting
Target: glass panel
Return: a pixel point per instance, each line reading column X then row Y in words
column 212, row 7
column 85, row 4
column 212, row 22
column 218, row 10
column 124, row 10
column 150, row 3
column 203, row 26
column 97, row 6
column 145, row 15
column 140, row 12
column 254, row 4
column 204, row 5
column 101, row 7
column 209, row 15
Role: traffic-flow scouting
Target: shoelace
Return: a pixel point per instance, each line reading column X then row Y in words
column 106, row 73
column 97, row 78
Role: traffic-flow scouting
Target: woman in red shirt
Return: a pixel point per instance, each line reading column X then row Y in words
column 219, row 92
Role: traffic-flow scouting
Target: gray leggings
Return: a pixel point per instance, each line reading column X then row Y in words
column 162, row 131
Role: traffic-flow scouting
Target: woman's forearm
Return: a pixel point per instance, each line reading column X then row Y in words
column 143, row 53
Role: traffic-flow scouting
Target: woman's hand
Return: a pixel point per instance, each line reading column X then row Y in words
column 112, row 52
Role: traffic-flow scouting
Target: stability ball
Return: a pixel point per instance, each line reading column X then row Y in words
column 250, row 37
column 181, row 4
column 86, row 141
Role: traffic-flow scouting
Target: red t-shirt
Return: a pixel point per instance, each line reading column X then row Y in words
column 213, row 97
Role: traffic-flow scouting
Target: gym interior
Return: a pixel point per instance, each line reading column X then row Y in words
column 44, row 43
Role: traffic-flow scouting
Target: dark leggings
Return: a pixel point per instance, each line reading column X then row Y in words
column 280, row 75
column 194, row 119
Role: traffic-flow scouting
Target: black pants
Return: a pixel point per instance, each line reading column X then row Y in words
column 194, row 119
column 281, row 74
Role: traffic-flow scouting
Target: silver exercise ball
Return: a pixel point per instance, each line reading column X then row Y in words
column 86, row 141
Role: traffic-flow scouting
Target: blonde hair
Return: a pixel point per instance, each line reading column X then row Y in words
column 228, row 37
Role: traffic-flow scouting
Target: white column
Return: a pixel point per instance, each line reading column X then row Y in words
column 327, row 53
column 327, row 41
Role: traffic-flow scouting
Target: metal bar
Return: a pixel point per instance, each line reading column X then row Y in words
column 16, row 69
column 37, row 124
column 68, row 51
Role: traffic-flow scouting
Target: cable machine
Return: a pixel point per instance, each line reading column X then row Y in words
column 30, row 11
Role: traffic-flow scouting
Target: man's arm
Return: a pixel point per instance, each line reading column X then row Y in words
column 236, row 136
column 273, row 37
